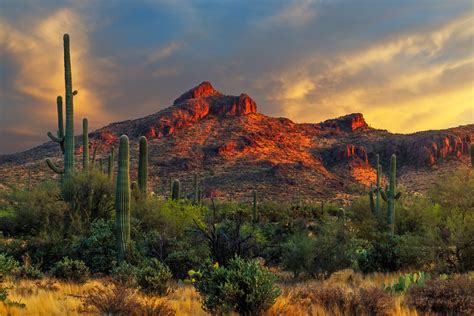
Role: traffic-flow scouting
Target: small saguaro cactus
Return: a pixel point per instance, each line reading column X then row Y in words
column 122, row 199
column 94, row 156
column 65, row 139
column 389, row 195
column 85, row 145
column 110, row 166
column 143, row 166
column 377, row 186
column 472, row 155
column 255, row 207
column 371, row 199
column 176, row 190
column 195, row 189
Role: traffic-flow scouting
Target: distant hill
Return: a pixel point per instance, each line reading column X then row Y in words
column 235, row 150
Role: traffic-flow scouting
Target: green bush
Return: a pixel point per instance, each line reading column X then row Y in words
column 91, row 199
column 243, row 286
column 33, row 213
column 8, row 265
column 382, row 255
column 154, row 277
column 71, row 270
column 29, row 272
column 334, row 248
column 298, row 253
column 98, row 249
column 125, row 274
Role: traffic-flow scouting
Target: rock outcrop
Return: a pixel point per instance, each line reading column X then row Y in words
column 350, row 122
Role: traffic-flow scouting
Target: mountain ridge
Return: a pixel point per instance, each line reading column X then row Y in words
column 235, row 148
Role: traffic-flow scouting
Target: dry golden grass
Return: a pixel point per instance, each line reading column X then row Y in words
column 62, row 298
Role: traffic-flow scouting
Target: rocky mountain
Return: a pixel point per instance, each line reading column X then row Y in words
column 235, row 150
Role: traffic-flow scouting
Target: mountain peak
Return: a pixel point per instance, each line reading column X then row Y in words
column 350, row 122
column 204, row 89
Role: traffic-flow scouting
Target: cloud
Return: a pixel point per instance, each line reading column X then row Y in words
column 37, row 75
column 163, row 52
column 296, row 14
column 403, row 76
column 407, row 65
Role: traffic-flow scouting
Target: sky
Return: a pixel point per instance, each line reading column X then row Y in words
column 406, row 65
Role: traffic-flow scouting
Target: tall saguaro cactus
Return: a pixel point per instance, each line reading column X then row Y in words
column 175, row 190
column 85, row 145
column 389, row 194
column 122, row 199
column 65, row 139
column 143, row 166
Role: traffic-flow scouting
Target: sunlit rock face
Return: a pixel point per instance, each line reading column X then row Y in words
column 196, row 104
column 236, row 150
column 349, row 122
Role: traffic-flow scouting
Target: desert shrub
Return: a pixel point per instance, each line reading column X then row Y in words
column 380, row 255
column 91, row 198
column 447, row 297
column 355, row 301
column 119, row 299
column 181, row 261
column 374, row 301
column 44, row 253
column 152, row 306
column 112, row 299
column 98, row 249
column 34, row 212
column 171, row 218
column 298, row 253
column 226, row 235
column 8, row 265
column 334, row 248
column 154, row 277
column 455, row 246
column 28, row 270
column 71, row 270
column 243, row 286
column 125, row 273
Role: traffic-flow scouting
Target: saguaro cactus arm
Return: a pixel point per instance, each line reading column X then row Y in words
column 54, row 138
column 53, row 166
column 60, row 133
